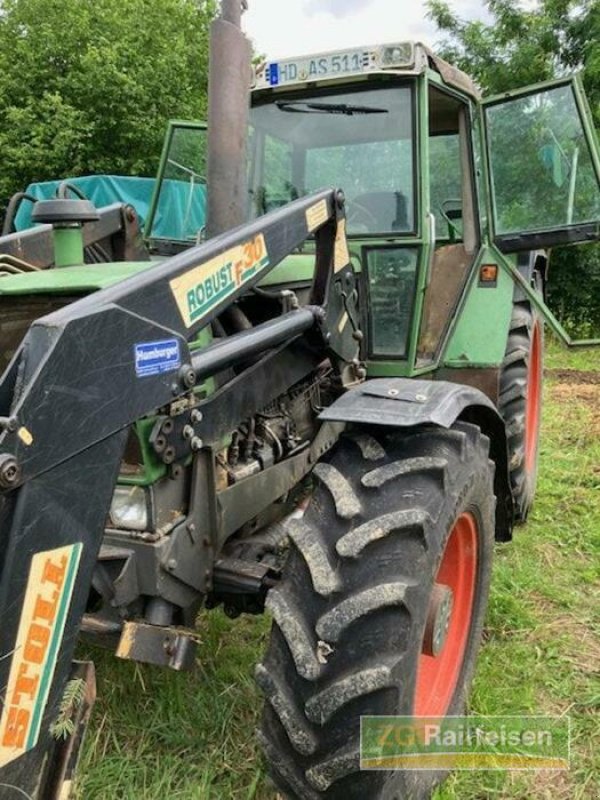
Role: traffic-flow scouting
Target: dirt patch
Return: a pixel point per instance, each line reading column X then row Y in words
column 578, row 376
column 568, row 394
column 542, row 785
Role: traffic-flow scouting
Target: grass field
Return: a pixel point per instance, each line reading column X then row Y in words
column 159, row 736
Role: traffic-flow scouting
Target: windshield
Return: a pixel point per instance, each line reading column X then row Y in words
column 361, row 141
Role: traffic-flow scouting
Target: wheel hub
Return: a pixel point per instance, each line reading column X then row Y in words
column 438, row 619
column 448, row 621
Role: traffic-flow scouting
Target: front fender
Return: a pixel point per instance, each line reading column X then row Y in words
column 408, row 402
column 404, row 402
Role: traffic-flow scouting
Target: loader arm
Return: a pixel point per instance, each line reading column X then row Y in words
column 80, row 378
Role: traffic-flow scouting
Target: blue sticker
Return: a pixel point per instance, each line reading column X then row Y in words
column 153, row 358
column 273, row 74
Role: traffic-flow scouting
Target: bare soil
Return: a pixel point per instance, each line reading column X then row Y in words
column 577, row 376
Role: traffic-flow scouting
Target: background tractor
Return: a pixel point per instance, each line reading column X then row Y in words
column 325, row 403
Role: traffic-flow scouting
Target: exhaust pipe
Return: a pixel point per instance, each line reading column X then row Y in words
column 228, row 105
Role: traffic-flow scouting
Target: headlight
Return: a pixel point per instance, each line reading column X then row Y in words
column 129, row 508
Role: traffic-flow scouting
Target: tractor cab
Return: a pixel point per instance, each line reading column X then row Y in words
column 438, row 184
column 441, row 189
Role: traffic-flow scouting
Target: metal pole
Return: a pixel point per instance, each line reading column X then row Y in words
column 228, row 104
column 231, row 11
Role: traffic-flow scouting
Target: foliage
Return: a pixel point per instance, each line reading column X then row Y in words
column 574, row 288
column 73, row 697
column 524, row 45
column 88, row 87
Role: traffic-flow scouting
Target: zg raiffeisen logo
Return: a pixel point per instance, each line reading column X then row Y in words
column 465, row 743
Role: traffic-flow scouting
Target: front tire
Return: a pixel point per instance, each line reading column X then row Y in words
column 358, row 615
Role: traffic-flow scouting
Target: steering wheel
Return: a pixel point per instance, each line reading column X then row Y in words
column 357, row 215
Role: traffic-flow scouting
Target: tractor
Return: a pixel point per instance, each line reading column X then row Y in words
column 322, row 402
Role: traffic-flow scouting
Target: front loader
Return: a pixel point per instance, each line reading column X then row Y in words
column 329, row 408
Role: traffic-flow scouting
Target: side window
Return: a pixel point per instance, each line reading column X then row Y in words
column 452, row 201
column 446, row 185
column 450, row 170
column 391, row 278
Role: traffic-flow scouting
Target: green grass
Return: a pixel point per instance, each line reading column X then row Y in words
column 162, row 736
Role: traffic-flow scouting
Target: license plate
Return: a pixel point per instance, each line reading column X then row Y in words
column 328, row 65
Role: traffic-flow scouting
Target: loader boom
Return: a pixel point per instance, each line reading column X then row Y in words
column 81, row 377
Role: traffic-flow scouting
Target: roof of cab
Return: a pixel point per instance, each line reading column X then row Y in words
column 417, row 58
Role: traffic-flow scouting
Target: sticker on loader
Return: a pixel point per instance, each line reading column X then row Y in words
column 47, row 599
column 155, row 358
column 204, row 287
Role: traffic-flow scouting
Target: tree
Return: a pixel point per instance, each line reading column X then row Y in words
column 88, row 87
column 522, row 46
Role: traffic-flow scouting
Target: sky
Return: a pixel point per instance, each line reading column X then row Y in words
column 281, row 28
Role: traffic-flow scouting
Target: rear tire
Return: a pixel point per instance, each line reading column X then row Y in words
column 351, row 612
column 521, row 403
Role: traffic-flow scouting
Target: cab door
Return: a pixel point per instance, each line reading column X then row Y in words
column 543, row 167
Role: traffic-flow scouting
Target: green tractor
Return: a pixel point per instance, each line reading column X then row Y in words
column 330, row 410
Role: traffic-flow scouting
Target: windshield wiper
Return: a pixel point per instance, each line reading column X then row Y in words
column 303, row 107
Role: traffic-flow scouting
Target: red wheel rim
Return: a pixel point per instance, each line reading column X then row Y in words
column 437, row 676
column 534, row 389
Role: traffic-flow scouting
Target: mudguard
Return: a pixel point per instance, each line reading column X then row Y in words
column 407, row 402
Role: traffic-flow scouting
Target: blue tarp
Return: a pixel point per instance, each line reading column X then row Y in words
column 180, row 214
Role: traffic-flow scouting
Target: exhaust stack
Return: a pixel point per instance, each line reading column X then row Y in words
column 228, row 104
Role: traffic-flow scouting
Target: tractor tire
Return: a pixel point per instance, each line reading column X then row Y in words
column 520, row 403
column 391, row 519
